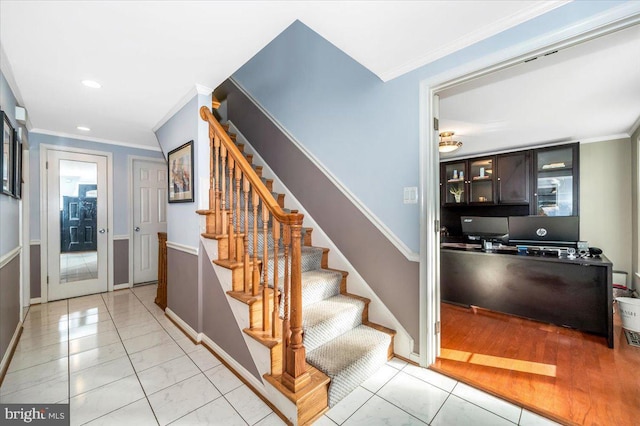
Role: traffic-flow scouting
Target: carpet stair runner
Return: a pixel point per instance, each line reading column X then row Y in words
column 338, row 337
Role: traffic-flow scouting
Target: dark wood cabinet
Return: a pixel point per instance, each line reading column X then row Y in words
column 468, row 182
column 513, row 171
column 556, row 181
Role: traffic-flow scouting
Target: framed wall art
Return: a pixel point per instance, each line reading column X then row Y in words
column 180, row 163
column 7, row 159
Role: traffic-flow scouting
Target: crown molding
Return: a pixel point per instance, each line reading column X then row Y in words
column 92, row 139
column 533, row 11
column 197, row 89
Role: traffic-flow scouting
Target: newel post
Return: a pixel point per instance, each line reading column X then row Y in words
column 295, row 376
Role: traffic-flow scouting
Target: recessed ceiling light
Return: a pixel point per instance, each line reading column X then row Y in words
column 92, row 84
column 86, row 129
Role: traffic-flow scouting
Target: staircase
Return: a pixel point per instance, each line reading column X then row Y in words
column 320, row 340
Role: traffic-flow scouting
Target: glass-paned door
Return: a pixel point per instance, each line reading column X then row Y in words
column 77, row 224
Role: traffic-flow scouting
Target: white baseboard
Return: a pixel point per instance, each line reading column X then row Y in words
column 36, row 300
column 121, row 286
column 197, row 337
column 4, row 364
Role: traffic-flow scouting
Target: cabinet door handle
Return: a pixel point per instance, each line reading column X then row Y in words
column 499, row 190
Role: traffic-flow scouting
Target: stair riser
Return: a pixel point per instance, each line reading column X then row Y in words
column 319, row 334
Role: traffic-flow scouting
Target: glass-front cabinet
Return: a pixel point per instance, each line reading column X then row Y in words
column 454, row 182
column 556, row 191
column 468, row 181
column 481, row 179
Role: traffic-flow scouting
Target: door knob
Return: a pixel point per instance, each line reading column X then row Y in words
column 102, row 231
column 137, row 229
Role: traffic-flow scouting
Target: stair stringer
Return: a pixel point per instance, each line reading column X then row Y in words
column 260, row 354
column 378, row 311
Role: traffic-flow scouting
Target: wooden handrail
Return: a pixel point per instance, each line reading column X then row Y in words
column 225, row 197
column 272, row 205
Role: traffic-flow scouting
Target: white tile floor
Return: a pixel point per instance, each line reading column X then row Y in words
column 118, row 360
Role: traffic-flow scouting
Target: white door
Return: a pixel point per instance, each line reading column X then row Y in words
column 76, row 224
column 149, row 217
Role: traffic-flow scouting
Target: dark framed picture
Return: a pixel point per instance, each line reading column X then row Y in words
column 7, row 160
column 17, row 175
column 180, row 163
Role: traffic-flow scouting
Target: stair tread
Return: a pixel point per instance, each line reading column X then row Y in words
column 327, row 309
column 350, row 359
column 327, row 319
column 337, row 354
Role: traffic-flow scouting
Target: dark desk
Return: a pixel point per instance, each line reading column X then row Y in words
column 575, row 293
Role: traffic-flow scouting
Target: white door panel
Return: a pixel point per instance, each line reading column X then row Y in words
column 149, row 217
column 77, row 239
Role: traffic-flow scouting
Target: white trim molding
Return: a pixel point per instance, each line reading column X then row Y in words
column 34, row 242
column 182, row 247
column 44, row 151
column 486, row 31
column 117, row 287
column 197, row 89
column 8, row 257
column 97, row 140
column 186, row 328
column 612, row 20
column 4, row 364
column 120, row 237
column 131, row 159
column 35, row 300
column 397, row 242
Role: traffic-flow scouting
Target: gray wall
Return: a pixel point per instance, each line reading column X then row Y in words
column 120, row 266
column 120, row 262
column 218, row 322
column 387, row 271
column 9, row 302
column 183, row 292
column 605, row 199
column 34, row 271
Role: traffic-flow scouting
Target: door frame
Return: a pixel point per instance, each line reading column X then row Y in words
column 131, row 160
column 44, row 237
column 429, row 291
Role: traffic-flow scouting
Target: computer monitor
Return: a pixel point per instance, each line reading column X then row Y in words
column 553, row 231
column 478, row 228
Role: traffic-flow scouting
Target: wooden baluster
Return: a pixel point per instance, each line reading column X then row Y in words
column 266, row 314
column 211, row 219
column 255, row 289
column 275, row 321
column 246, row 258
column 214, row 179
column 230, row 230
column 286, row 329
column 222, row 221
column 238, row 241
column 296, row 375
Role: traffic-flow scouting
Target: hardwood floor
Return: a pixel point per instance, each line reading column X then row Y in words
column 569, row 376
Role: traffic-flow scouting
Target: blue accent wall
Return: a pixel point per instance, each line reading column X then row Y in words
column 9, row 220
column 365, row 131
column 121, row 182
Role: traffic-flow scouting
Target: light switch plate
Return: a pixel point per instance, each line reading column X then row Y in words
column 411, row 195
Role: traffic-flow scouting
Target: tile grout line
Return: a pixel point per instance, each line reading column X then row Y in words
column 130, row 362
column 201, row 371
column 197, row 366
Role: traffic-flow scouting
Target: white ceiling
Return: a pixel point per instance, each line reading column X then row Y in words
column 588, row 92
column 150, row 55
